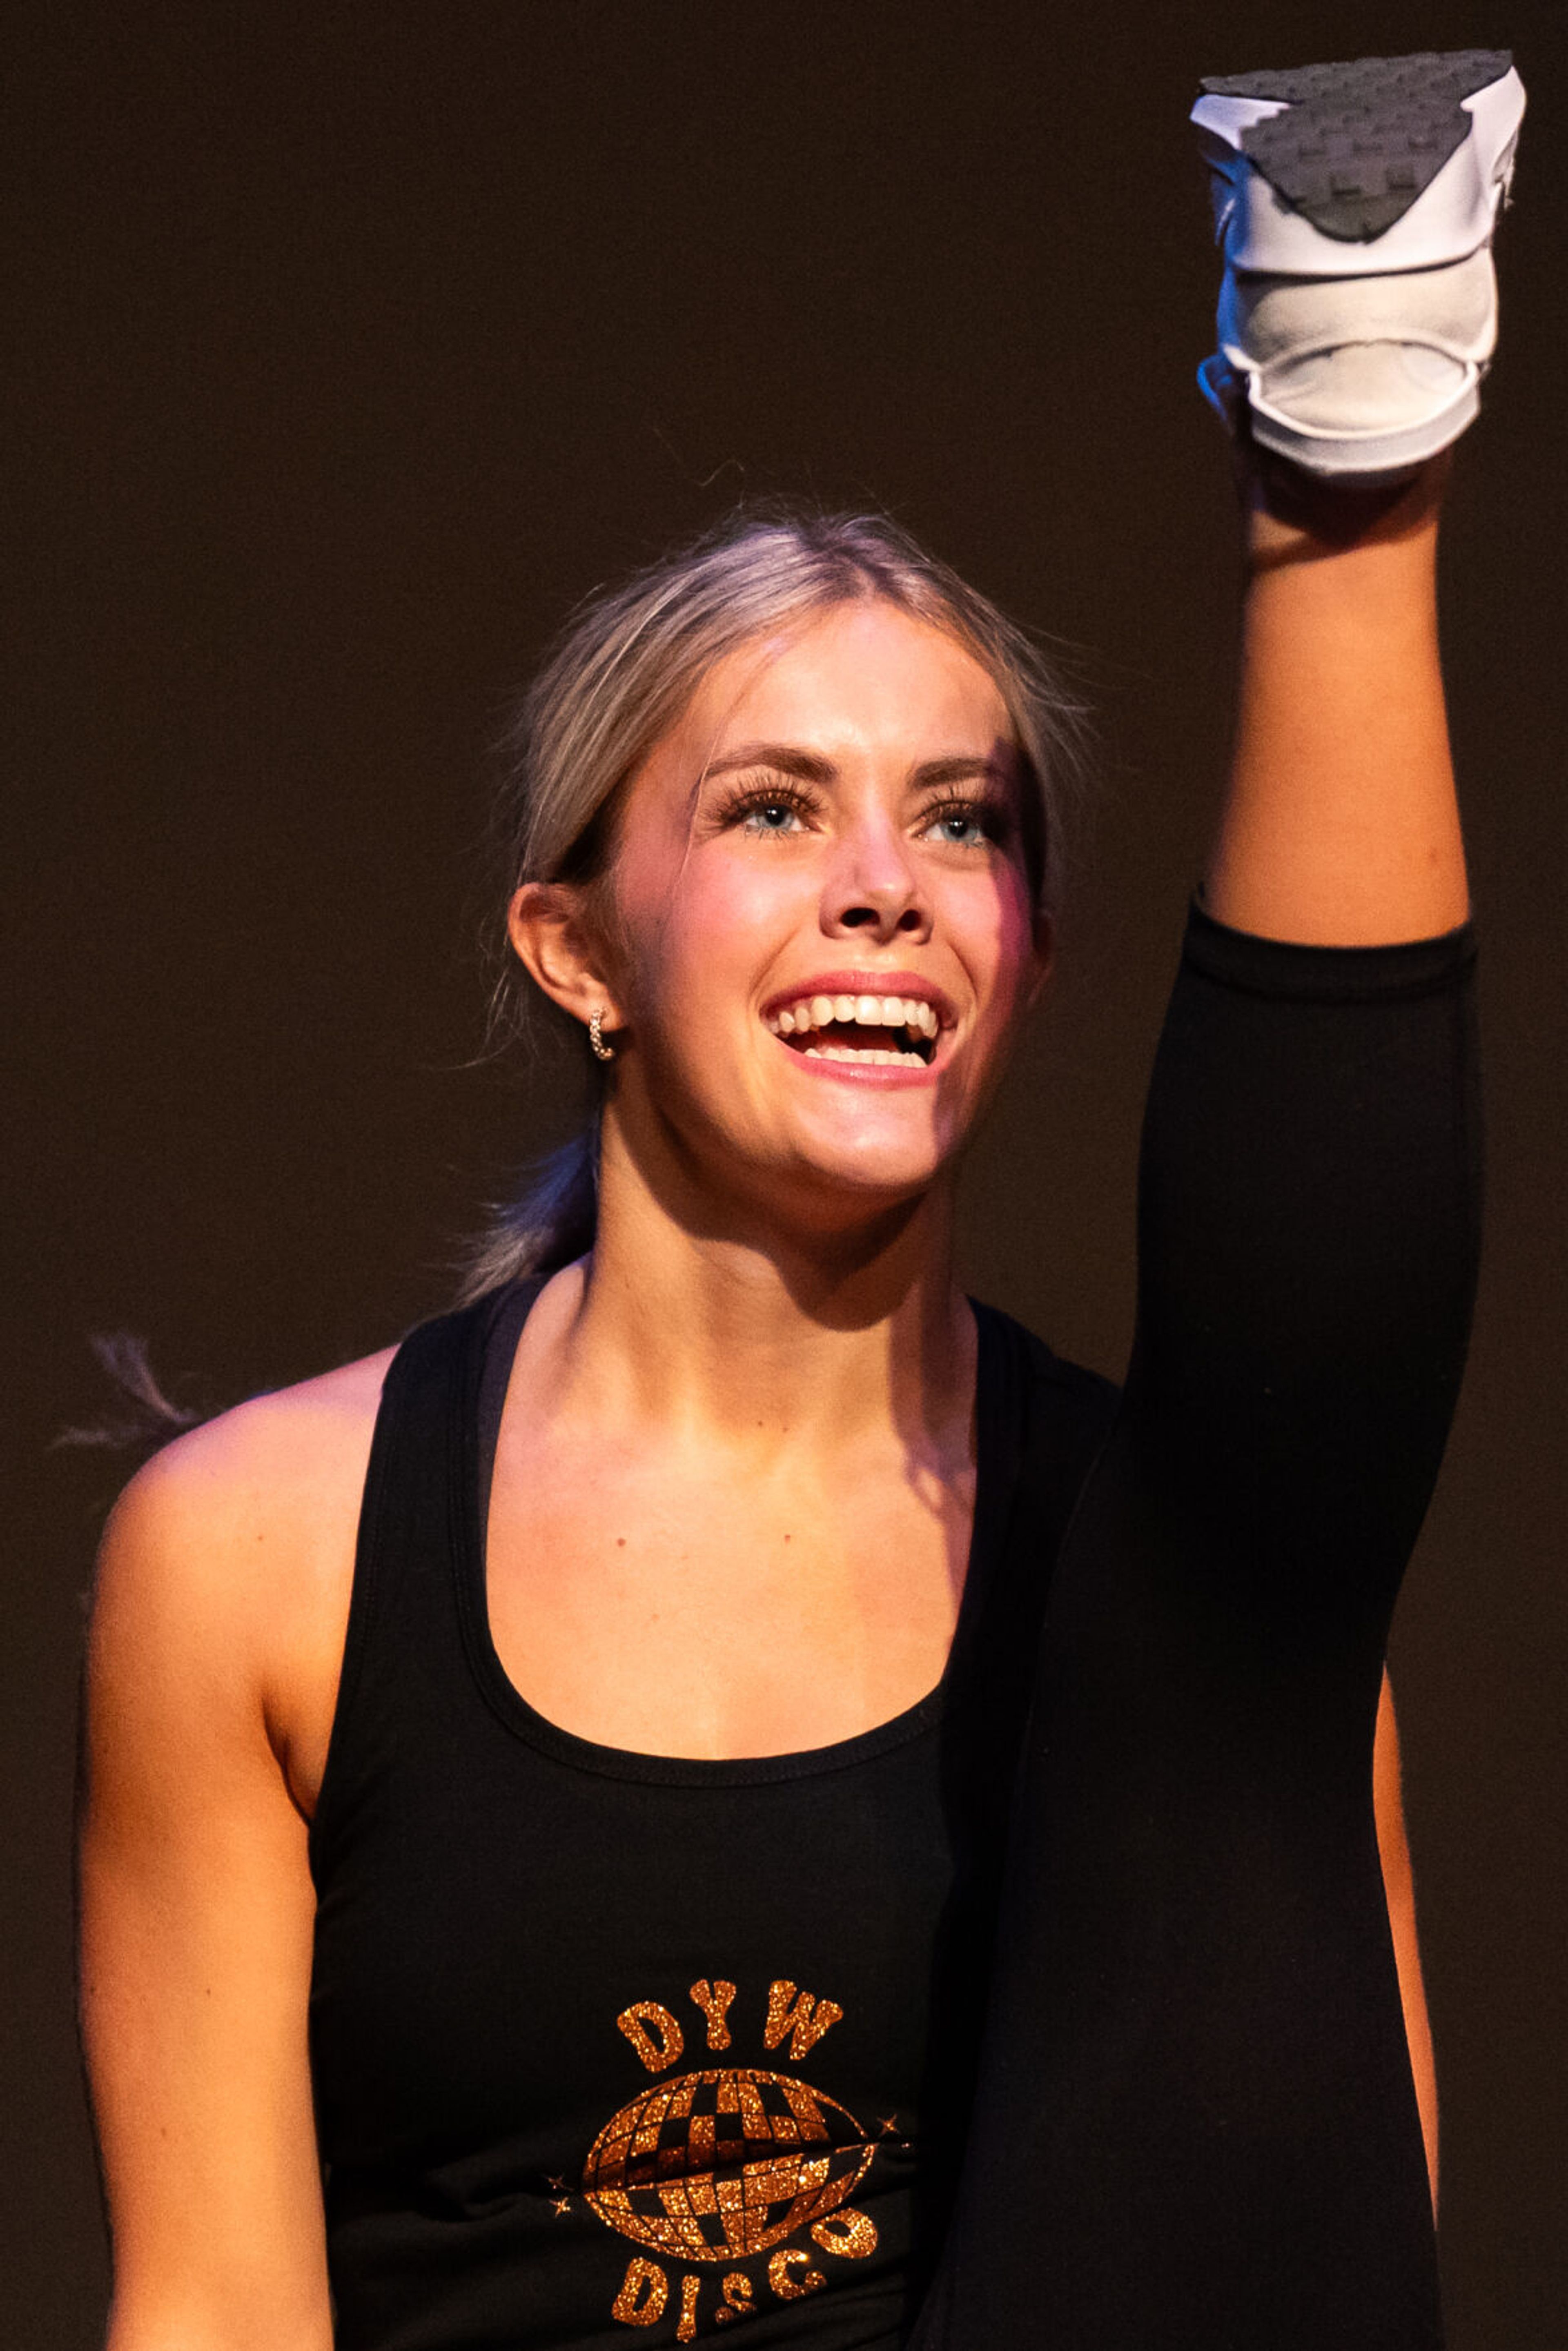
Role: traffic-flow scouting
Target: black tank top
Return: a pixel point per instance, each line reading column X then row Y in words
column 605, row 2041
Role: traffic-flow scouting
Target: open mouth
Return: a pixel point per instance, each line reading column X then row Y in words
column 884, row 1032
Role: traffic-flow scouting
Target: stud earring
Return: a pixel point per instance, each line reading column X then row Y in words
column 602, row 1051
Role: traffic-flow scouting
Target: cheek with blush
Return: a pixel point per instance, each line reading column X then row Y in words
column 994, row 929
column 703, row 933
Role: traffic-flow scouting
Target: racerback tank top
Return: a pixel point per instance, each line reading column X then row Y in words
column 611, row 2046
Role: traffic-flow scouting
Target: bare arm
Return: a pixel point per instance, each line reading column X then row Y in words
column 1341, row 827
column 196, row 1932
column 1399, row 1884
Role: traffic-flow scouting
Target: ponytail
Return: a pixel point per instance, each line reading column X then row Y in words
column 143, row 1417
column 551, row 1221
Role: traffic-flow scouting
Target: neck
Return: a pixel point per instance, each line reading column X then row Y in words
column 727, row 1327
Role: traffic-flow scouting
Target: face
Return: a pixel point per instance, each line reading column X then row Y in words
column 826, row 923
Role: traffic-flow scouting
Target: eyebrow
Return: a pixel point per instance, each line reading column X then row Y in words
column 788, row 759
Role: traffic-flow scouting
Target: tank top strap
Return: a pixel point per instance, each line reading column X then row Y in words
column 405, row 1669
column 502, row 1330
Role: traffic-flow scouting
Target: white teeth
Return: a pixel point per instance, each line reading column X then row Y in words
column 906, row 1012
column 872, row 1053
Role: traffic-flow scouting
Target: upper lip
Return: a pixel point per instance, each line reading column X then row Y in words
column 867, row 983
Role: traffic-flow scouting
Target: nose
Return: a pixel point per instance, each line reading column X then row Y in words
column 874, row 889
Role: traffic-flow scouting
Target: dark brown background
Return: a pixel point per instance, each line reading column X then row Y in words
column 350, row 344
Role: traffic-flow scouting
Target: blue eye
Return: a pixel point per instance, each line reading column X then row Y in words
column 961, row 827
column 766, row 812
column 769, row 815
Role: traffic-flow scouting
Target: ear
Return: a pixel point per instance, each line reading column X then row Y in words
column 550, row 936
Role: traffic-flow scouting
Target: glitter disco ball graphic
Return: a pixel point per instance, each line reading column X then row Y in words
column 712, row 2166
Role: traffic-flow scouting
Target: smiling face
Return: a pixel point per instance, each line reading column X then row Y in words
column 825, row 930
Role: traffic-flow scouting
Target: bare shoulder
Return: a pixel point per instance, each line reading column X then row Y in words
column 268, row 1471
column 217, row 1641
column 226, row 1567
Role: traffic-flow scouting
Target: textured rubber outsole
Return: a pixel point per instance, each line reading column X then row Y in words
column 1359, row 142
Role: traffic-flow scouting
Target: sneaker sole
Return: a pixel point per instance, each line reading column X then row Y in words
column 1399, row 162
column 1374, row 168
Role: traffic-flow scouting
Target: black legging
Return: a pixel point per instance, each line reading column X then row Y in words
column 1196, row 2124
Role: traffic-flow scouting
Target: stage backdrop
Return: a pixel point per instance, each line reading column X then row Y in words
column 348, row 345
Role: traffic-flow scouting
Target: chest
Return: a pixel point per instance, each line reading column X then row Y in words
column 617, row 2040
column 676, row 1605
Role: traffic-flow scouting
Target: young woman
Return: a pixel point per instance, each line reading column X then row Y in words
column 722, row 1782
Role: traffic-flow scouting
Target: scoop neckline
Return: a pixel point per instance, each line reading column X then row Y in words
column 471, row 1533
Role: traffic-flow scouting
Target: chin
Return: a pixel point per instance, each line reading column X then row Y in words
column 830, row 1189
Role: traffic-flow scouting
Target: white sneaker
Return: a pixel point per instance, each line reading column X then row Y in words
column 1355, row 206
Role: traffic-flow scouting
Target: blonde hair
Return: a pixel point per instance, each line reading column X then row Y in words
column 618, row 678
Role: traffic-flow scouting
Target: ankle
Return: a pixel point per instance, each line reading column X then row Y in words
column 1291, row 516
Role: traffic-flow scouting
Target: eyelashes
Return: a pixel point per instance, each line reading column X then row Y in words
column 759, row 799
column 987, row 813
column 990, row 814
